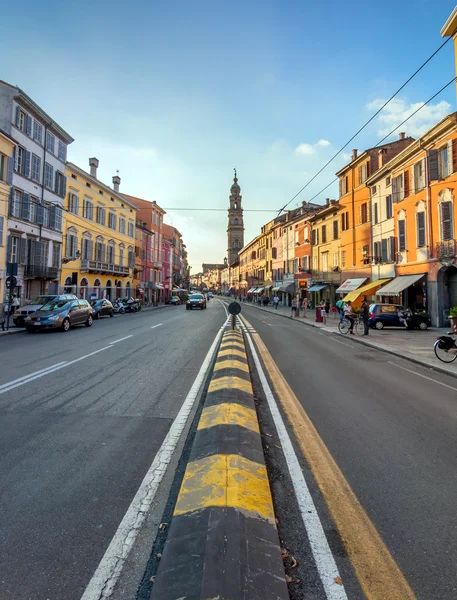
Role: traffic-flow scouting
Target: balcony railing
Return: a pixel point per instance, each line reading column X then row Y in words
column 330, row 276
column 41, row 271
column 446, row 249
column 95, row 266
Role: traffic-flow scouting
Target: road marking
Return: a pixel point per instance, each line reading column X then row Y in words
column 158, row 325
column 378, row 573
column 108, row 571
column 230, row 382
column 229, row 413
column 424, row 376
column 121, row 339
column 343, row 343
column 231, row 364
column 31, row 375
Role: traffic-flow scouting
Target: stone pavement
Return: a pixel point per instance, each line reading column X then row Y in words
column 414, row 345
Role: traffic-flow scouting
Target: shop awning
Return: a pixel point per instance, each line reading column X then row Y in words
column 159, row 286
column 399, row 284
column 259, row 290
column 250, row 291
column 317, row 288
column 288, row 288
column 268, row 287
column 350, row 285
column 275, row 289
column 368, row 288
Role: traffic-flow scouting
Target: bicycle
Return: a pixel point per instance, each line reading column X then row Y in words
column 446, row 348
column 344, row 326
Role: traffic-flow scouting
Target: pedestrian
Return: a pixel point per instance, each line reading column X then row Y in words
column 327, row 307
column 304, row 306
column 364, row 309
column 340, row 307
column 349, row 313
column 15, row 304
column 294, row 307
column 276, row 301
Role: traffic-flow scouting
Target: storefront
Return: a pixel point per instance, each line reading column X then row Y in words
column 350, row 285
column 317, row 293
column 367, row 291
column 286, row 292
column 408, row 290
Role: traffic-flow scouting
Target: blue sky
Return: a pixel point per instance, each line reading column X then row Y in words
column 175, row 95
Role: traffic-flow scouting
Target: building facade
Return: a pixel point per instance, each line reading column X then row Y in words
column 167, row 268
column 7, row 147
column 99, row 224
column 37, row 194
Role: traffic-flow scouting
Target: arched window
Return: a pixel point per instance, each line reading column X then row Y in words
column 235, row 222
column 121, row 255
column 83, row 288
column 235, row 205
column 233, row 244
column 236, row 244
column 111, row 248
column 445, row 204
column 420, row 224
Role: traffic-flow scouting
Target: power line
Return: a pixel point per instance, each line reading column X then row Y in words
column 393, row 130
column 366, row 124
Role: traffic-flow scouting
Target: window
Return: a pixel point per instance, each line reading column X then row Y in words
column 344, row 185
column 335, row 260
column 314, row 263
column 335, row 229
column 324, row 234
column 389, row 211
column 2, row 222
column 235, row 222
column 36, row 168
column 112, row 220
column 37, row 132
column 132, row 231
column 384, row 256
column 25, row 207
column 420, row 227
column 406, row 183
column 60, row 184
column 313, row 237
column 73, row 203
column 343, row 259
column 55, row 254
column 392, row 248
column 362, row 174
column 88, row 211
column 13, row 249
column 419, row 176
column 19, row 160
column 50, row 142
column 100, row 251
column 374, row 190
column 72, row 245
column 49, row 176
column 364, row 213
column 439, row 163
column 111, row 254
column 345, row 221
column 325, row 261
column 62, row 151
column 101, row 215
column 388, row 181
column 121, row 256
column 274, row 253
column 401, row 235
column 446, row 218
column 15, row 203
column 122, row 225
column 21, row 119
column 375, row 211
column 398, row 190
column 87, row 249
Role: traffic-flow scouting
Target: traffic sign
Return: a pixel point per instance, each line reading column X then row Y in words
column 10, row 282
column 234, row 308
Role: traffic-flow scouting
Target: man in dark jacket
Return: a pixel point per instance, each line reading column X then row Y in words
column 364, row 309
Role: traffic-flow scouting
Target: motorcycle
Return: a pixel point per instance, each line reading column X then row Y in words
column 118, row 307
column 131, row 305
column 446, row 348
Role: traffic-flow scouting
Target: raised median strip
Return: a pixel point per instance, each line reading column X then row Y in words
column 223, row 542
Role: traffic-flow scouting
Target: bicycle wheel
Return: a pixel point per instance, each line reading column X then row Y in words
column 359, row 327
column 344, row 326
column 444, row 355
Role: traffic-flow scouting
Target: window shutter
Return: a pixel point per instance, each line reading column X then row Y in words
column 376, row 213
column 395, row 189
column 28, row 125
column 52, row 216
column 335, row 229
column 392, row 249
column 11, row 199
column 401, row 235
column 9, row 170
column 449, row 158
column 64, row 186
column 27, row 164
column 446, row 220
column 414, row 183
column 454, row 155
column 39, row 213
column 420, row 217
column 406, row 183
column 9, row 245
column 360, row 214
column 25, row 206
column 433, row 171
column 384, row 250
column 17, row 116
column 90, row 250
column 22, row 249
column 103, row 252
column 56, row 182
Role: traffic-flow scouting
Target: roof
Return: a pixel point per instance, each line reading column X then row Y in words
column 142, row 203
column 450, row 27
column 170, row 230
column 369, row 151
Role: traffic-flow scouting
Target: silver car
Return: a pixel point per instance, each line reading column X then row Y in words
column 22, row 313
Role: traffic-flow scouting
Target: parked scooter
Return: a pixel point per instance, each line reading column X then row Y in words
column 118, row 307
column 131, row 305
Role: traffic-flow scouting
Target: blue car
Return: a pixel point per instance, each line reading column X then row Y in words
column 387, row 315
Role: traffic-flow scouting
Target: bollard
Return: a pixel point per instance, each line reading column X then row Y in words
column 234, row 309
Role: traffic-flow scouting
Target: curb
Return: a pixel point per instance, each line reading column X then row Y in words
column 223, row 541
column 370, row 345
column 12, row 331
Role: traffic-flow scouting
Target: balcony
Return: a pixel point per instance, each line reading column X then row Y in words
column 446, row 250
column 328, row 276
column 39, row 271
column 94, row 266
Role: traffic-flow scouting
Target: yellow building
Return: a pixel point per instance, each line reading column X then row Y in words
column 7, row 145
column 99, row 237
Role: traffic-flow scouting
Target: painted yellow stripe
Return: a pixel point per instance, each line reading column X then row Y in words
column 233, row 332
column 379, row 575
column 230, row 382
column 233, row 352
column 235, row 344
column 229, row 413
column 231, row 364
column 226, row 480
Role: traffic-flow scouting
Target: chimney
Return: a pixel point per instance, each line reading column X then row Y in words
column 327, row 202
column 354, row 154
column 93, row 164
column 116, row 183
column 402, row 135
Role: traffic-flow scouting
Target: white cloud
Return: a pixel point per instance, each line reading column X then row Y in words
column 323, row 143
column 305, row 149
column 400, row 109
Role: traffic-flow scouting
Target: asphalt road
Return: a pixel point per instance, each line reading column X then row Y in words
column 76, row 443
column 391, row 426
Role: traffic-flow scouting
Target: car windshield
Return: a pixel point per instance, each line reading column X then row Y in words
column 196, row 297
column 96, row 302
column 41, row 300
column 55, row 305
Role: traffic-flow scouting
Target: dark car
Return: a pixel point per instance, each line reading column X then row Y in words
column 22, row 313
column 102, row 308
column 388, row 315
column 174, row 300
column 196, row 301
column 60, row 314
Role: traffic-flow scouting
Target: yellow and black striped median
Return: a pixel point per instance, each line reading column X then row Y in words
column 223, row 541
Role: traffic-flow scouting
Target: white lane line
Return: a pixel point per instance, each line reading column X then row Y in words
column 121, row 339
column 13, row 385
column 108, row 571
column 325, row 562
column 158, row 325
column 343, row 343
column 424, row 376
column 30, row 375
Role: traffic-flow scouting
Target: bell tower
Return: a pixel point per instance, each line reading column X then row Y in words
column 235, row 228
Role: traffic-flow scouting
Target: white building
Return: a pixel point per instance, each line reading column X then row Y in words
column 37, row 193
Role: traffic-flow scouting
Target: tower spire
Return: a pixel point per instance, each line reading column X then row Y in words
column 235, row 228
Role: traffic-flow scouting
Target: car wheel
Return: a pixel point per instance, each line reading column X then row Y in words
column 122, row 311
column 89, row 321
column 379, row 325
column 423, row 326
column 66, row 324
column 111, row 313
column 30, row 330
column 96, row 315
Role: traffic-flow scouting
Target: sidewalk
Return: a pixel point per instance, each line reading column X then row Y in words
column 416, row 346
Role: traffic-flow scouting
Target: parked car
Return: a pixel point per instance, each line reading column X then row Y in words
column 22, row 313
column 174, row 300
column 196, row 301
column 102, row 308
column 388, row 315
column 60, row 314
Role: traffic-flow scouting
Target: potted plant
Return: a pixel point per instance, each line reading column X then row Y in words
column 453, row 318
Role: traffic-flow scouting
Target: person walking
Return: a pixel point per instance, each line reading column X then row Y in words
column 276, row 301
column 340, row 308
column 304, row 306
column 294, row 307
column 327, row 308
column 364, row 309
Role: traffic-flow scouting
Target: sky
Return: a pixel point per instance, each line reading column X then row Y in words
column 176, row 94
